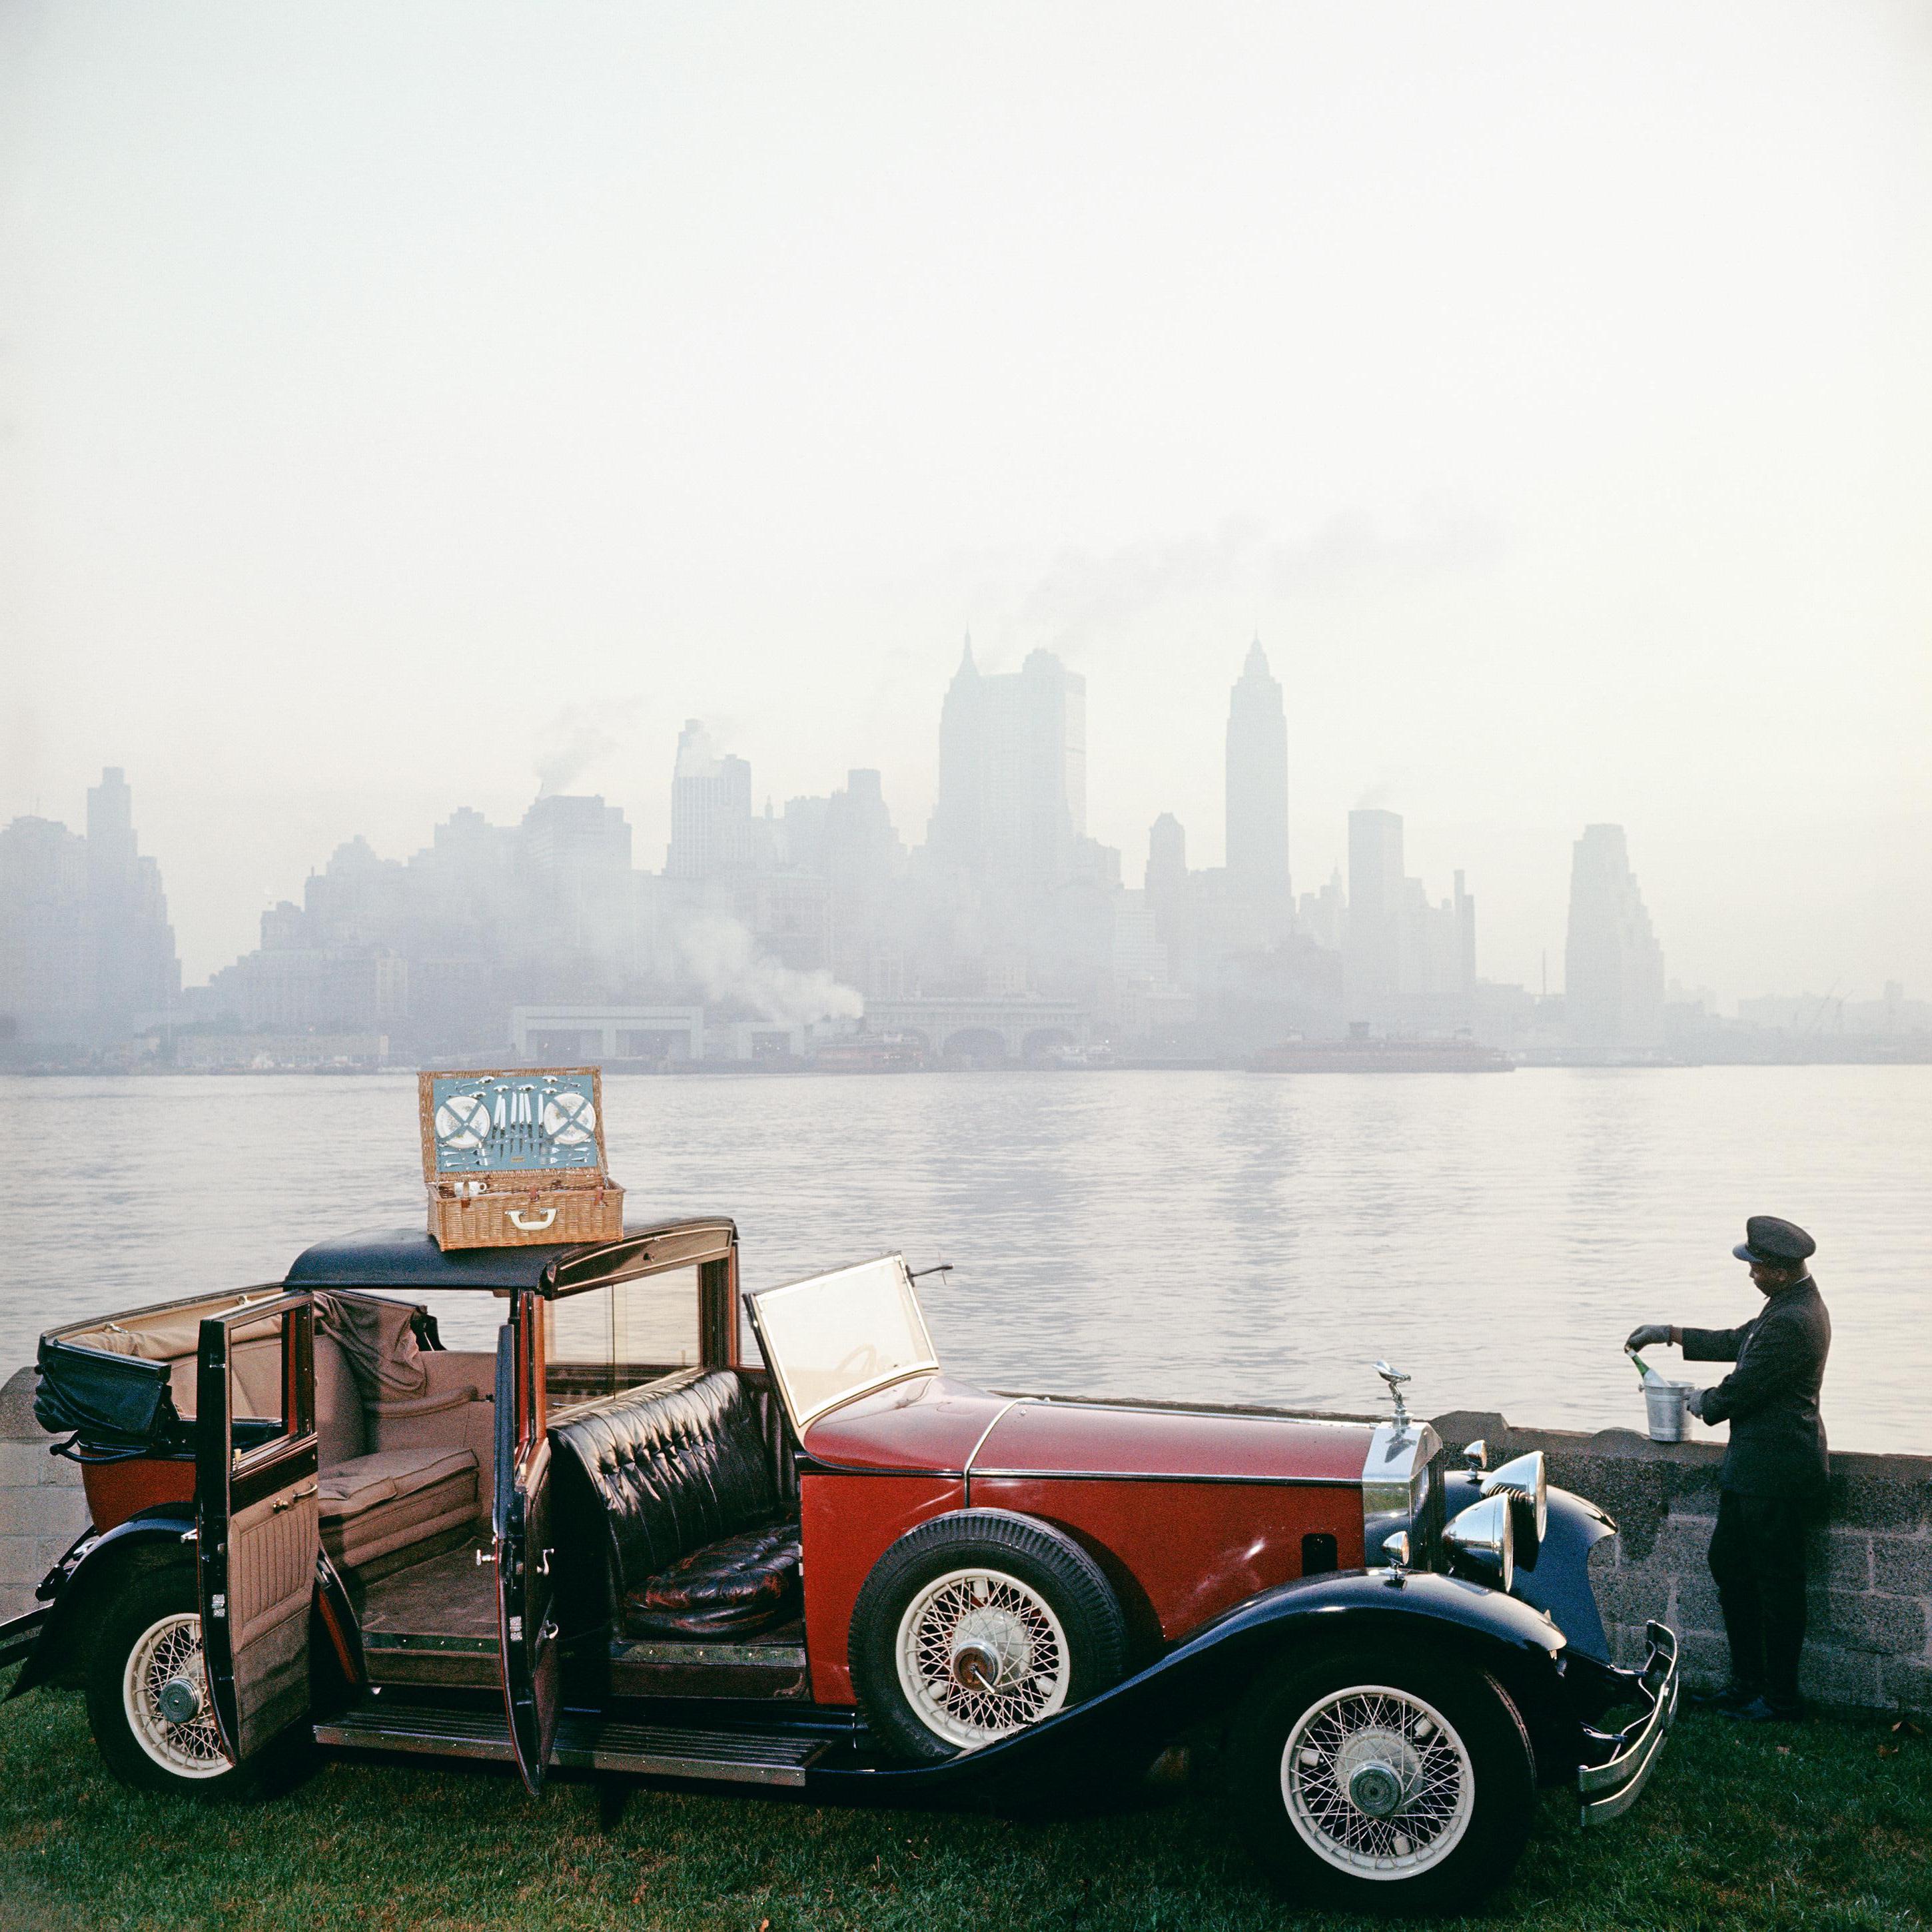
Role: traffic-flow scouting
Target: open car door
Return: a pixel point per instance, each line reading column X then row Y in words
column 255, row 1515
column 526, row 1629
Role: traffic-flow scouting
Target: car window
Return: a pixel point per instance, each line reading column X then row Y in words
column 607, row 1339
column 833, row 1336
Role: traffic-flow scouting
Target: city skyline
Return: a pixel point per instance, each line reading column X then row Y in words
column 703, row 773
column 825, row 911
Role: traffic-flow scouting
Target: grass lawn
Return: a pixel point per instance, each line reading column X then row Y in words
column 1827, row 1826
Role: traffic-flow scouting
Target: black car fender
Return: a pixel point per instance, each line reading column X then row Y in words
column 1202, row 1679
column 78, row 1589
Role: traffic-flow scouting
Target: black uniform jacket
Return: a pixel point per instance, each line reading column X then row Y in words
column 1771, row 1398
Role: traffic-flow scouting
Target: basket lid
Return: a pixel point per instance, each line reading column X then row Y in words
column 528, row 1120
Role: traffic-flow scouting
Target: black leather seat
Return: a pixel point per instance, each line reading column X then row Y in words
column 686, row 1486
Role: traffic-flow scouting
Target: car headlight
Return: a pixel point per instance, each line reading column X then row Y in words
column 1526, row 1483
column 1482, row 1541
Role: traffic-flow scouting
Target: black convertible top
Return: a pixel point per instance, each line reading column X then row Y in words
column 408, row 1258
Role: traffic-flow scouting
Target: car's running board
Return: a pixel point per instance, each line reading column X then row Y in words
column 583, row 1743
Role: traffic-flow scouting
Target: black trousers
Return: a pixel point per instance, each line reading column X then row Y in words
column 1757, row 1562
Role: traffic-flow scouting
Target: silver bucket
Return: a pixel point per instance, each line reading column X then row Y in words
column 1665, row 1402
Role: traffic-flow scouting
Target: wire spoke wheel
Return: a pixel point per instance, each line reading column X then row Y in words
column 164, row 1695
column 1377, row 1782
column 981, row 1655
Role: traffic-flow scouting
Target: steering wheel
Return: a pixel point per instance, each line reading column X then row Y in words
column 861, row 1361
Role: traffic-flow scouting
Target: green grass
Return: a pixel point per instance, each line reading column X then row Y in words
column 1829, row 1826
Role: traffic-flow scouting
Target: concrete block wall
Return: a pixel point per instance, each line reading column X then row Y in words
column 42, row 1509
column 1869, row 1642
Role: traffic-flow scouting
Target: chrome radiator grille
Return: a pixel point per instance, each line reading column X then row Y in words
column 1425, row 1535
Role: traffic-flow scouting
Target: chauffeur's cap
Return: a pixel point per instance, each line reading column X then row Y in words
column 1778, row 1243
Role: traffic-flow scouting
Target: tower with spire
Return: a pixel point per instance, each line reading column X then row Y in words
column 1257, row 778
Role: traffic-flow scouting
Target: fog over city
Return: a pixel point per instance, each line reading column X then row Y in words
column 407, row 410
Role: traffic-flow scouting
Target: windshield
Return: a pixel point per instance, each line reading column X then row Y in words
column 835, row 1336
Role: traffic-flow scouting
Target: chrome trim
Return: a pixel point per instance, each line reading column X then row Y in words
column 1607, row 1790
column 1483, row 1540
column 1155, row 1476
column 1004, row 1412
column 584, row 1743
column 774, row 1656
column 1151, row 1405
column 418, row 1642
column 1525, row 1481
column 1395, row 1475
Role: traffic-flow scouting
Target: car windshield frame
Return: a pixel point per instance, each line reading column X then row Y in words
column 826, row 1287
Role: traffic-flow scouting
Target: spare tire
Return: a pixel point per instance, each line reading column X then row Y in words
column 976, row 1624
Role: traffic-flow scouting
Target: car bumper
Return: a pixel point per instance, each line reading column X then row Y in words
column 19, row 1635
column 1608, row 1789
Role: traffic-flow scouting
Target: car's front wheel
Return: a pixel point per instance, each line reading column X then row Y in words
column 1385, row 1784
column 147, row 1690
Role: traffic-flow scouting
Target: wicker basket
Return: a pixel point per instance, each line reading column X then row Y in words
column 543, row 1211
column 508, row 1175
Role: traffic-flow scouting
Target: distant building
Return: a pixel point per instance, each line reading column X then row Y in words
column 86, row 951
column 1012, row 804
column 1257, row 788
column 710, row 809
column 1408, row 963
column 1613, row 966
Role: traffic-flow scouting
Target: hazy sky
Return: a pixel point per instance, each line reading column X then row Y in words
column 1549, row 386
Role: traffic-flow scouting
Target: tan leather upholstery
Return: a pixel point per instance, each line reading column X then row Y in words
column 341, row 1433
column 373, row 1505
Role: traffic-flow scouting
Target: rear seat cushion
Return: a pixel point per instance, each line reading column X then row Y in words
column 742, row 1584
column 373, row 1505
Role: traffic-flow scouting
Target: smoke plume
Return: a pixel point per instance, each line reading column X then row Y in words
column 722, row 955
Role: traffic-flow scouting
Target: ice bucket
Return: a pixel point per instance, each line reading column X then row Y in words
column 1665, row 1402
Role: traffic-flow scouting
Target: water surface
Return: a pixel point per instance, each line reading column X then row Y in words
column 1246, row 1236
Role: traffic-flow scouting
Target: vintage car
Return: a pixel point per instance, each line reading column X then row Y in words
column 645, row 1537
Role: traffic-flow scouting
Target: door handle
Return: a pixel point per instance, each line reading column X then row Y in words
column 289, row 1502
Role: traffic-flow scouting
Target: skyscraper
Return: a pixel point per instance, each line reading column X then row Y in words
column 1012, row 804
column 710, row 808
column 1257, row 778
column 1613, row 966
column 85, row 948
column 1372, row 959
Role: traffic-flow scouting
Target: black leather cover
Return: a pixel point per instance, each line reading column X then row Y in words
column 656, row 1474
column 745, row 1583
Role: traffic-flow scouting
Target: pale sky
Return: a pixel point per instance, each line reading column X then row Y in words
column 1548, row 386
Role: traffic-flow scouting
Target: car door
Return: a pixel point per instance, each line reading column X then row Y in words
column 257, row 1531
column 527, row 1628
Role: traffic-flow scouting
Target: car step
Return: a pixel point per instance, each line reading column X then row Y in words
column 584, row 1743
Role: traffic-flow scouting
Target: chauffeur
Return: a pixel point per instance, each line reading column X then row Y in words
column 1774, row 1472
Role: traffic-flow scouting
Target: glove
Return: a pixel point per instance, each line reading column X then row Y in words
column 1694, row 1402
column 1652, row 1335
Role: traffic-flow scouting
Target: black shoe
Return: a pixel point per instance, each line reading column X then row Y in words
column 1762, row 1710
column 1731, row 1697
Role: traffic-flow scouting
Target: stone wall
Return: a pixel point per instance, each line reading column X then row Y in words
column 42, row 1509
column 1870, row 1640
column 1869, row 1644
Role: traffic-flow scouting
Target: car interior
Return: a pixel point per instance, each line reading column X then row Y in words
column 675, row 1498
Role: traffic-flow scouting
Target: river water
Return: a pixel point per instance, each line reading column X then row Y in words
column 1244, row 1237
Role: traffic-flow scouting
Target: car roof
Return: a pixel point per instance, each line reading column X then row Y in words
column 408, row 1258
